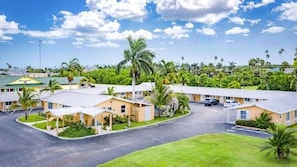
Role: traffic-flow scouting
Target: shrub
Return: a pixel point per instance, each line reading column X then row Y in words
column 264, row 121
column 77, row 130
column 249, row 123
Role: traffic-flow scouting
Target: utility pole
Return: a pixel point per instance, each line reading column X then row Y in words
column 39, row 44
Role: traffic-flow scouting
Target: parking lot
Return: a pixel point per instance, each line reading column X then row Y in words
column 24, row 146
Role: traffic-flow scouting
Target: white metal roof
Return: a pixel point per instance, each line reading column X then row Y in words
column 93, row 111
column 280, row 105
column 75, row 99
column 241, row 93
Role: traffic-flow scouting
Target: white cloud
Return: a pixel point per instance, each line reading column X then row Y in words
column 274, row 29
column 189, row 25
column 206, row 31
column 176, row 32
column 255, row 21
column 229, row 41
column 120, row 9
column 238, row 30
column 288, row 11
column 252, row 4
column 237, row 20
column 7, row 28
column 208, row 12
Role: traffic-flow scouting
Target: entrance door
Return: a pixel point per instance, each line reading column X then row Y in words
column 147, row 116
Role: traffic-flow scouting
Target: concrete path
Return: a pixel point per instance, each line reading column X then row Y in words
column 24, row 146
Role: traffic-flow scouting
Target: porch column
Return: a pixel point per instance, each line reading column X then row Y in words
column 96, row 131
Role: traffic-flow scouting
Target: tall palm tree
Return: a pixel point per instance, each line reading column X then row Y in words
column 161, row 95
column 139, row 58
column 267, row 57
column 281, row 142
column 73, row 68
column 26, row 100
column 280, row 52
column 215, row 58
column 220, row 76
column 267, row 77
column 53, row 85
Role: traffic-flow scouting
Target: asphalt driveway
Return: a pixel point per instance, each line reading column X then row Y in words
column 21, row 145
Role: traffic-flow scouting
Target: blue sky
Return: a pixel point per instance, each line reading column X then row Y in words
column 95, row 31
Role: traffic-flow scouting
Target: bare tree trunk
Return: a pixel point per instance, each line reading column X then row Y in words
column 133, row 85
column 26, row 114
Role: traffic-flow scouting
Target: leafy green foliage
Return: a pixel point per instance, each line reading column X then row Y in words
column 264, row 121
column 281, row 142
column 77, row 130
column 183, row 102
column 249, row 123
column 32, row 118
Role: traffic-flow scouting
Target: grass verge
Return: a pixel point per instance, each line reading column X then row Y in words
column 32, row 118
column 215, row 150
column 138, row 124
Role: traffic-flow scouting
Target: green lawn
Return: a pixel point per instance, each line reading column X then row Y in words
column 42, row 125
column 211, row 150
column 137, row 124
column 32, row 118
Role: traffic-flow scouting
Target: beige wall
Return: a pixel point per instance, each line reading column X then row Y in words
column 255, row 112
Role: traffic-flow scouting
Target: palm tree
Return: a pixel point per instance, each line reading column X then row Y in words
column 267, row 57
column 267, row 77
column 161, row 96
column 183, row 102
column 139, row 58
column 280, row 52
column 53, row 85
column 215, row 58
column 220, row 76
column 26, row 100
column 73, row 68
column 293, row 78
column 281, row 142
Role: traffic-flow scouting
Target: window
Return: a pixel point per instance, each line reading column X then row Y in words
column 228, row 98
column 50, row 105
column 123, row 108
column 295, row 113
column 65, row 106
column 207, row 96
column 243, row 115
column 247, row 99
column 109, row 108
column 8, row 103
column 288, row 116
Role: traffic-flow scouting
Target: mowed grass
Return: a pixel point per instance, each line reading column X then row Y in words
column 32, row 118
column 211, row 150
column 138, row 124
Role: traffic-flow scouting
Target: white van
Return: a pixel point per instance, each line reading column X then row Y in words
column 231, row 103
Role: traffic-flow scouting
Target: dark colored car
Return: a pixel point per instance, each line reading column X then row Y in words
column 210, row 102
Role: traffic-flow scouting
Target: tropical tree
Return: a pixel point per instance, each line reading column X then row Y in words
column 220, row 76
column 26, row 100
column 53, row 85
column 183, row 102
column 280, row 52
column 293, row 79
column 267, row 57
column 161, row 96
column 281, row 142
column 72, row 68
column 139, row 58
column 263, row 121
column 267, row 77
column 234, row 84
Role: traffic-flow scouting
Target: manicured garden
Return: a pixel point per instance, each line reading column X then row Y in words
column 214, row 150
column 32, row 118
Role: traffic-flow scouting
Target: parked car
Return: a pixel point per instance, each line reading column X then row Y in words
column 210, row 102
column 231, row 103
